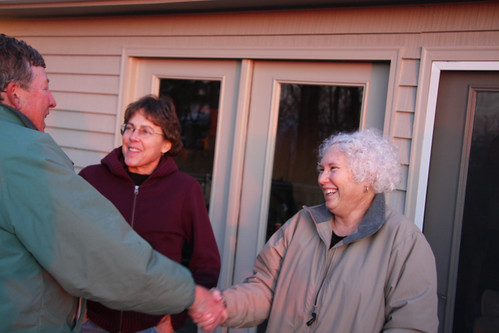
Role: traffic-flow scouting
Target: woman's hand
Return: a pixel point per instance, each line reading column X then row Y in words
column 208, row 311
column 165, row 325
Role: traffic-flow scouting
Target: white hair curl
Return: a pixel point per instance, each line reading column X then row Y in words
column 369, row 155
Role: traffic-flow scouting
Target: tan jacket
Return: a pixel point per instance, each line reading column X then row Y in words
column 380, row 278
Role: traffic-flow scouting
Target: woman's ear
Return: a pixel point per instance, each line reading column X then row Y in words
column 167, row 145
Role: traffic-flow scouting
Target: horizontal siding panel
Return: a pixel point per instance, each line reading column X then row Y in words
column 83, row 158
column 98, row 84
column 404, row 122
column 82, row 121
column 99, row 142
column 404, row 149
column 409, row 72
column 353, row 20
column 74, row 101
column 249, row 46
column 396, row 200
column 84, row 45
column 451, row 39
column 113, row 46
column 63, row 64
column 406, row 99
column 403, row 181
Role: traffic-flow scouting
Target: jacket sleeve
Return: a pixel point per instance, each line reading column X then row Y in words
column 59, row 218
column 248, row 303
column 204, row 261
column 411, row 296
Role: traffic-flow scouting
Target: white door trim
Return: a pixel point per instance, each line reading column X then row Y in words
column 425, row 117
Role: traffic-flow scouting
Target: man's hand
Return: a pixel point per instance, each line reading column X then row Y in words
column 208, row 310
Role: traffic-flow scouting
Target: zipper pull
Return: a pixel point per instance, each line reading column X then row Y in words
column 136, row 191
column 311, row 321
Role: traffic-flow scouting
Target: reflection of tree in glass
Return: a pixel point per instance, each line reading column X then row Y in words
column 196, row 102
column 479, row 250
column 310, row 113
column 307, row 115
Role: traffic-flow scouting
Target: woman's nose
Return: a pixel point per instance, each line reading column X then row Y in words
column 322, row 178
column 134, row 135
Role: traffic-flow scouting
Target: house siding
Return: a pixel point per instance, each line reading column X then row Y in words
column 85, row 58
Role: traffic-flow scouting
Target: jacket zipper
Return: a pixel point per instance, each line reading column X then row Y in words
column 135, row 195
column 78, row 312
column 315, row 307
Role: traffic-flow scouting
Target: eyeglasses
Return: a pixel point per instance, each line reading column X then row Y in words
column 143, row 132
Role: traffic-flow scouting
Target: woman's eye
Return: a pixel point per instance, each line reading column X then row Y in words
column 145, row 132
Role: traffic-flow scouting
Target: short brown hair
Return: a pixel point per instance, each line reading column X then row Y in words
column 161, row 112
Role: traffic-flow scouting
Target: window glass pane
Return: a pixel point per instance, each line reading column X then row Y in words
column 477, row 292
column 307, row 115
column 197, row 103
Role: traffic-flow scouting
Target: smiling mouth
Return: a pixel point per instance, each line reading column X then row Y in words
column 327, row 192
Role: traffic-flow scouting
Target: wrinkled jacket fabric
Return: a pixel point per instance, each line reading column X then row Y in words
column 60, row 239
column 380, row 278
column 169, row 211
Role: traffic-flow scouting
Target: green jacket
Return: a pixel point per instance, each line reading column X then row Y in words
column 61, row 240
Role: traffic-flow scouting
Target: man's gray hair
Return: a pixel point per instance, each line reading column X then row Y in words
column 16, row 60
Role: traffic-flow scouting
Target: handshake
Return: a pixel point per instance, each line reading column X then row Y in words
column 208, row 310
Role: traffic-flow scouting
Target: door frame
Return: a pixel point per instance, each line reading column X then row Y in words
column 144, row 74
column 426, row 137
column 268, row 76
column 426, row 140
column 433, row 62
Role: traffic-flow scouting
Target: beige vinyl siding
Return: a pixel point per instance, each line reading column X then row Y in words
column 86, row 89
column 85, row 65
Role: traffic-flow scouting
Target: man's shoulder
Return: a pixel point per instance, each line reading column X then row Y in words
column 23, row 143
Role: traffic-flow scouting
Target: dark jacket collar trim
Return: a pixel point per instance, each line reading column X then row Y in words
column 115, row 162
column 25, row 120
column 372, row 221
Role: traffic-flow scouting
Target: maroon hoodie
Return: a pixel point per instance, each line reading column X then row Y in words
column 167, row 210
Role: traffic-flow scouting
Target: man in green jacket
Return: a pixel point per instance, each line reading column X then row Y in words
column 55, row 250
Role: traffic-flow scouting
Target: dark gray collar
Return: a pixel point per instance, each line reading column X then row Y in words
column 372, row 221
column 25, row 120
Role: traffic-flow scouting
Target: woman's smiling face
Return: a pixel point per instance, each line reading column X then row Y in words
column 341, row 193
column 142, row 153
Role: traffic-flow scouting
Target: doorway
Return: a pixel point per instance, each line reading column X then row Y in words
column 288, row 102
column 256, row 126
column 461, row 218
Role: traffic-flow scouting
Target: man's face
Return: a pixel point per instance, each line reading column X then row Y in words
column 37, row 99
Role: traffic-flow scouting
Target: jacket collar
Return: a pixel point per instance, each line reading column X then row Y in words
column 115, row 162
column 20, row 117
column 372, row 221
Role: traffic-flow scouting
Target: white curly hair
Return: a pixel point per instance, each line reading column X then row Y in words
column 369, row 155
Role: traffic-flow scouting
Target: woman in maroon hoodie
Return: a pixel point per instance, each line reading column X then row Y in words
column 166, row 207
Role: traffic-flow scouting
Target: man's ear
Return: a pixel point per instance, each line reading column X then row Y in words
column 13, row 98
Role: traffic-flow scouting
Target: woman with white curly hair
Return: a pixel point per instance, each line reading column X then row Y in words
column 352, row 264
